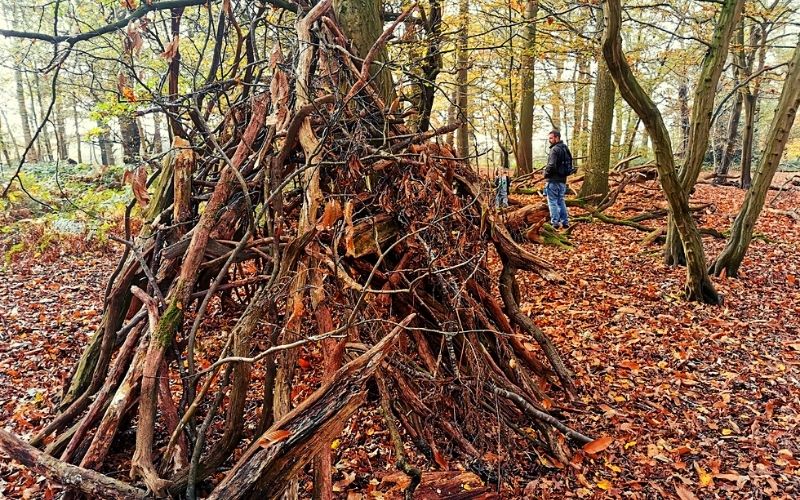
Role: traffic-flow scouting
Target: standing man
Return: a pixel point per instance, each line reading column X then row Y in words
column 502, row 186
column 559, row 167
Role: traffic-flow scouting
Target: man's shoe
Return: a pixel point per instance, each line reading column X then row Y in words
column 565, row 226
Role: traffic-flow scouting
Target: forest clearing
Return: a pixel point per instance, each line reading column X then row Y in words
column 353, row 249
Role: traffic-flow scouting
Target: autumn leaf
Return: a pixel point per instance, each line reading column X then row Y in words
column 605, row 485
column 129, row 4
column 598, row 445
column 171, row 50
column 128, row 93
column 704, row 478
column 684, row 493
column 133, row 40
column 272, row 437
column 138, row 182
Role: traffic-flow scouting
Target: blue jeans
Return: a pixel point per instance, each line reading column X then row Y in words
column 555, row 202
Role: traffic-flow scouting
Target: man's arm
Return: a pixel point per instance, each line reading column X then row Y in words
column 552, row 161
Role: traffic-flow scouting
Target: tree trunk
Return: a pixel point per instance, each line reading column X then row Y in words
column 61, row 132
column 106, row 153
column 524, row 151
column 44, row 135
column 158, row 146
column 362, row 23
column 33, row 154
column 683, row 99
column 462, row 80
column 78, row 141
column 758, row 35
column 698, row 284
column 579, row 118
column 732, row 255
column 131, row 140
column 702, row 108
column 595, row 181
column 721, row 174
column 747, row 140
column 555, row 95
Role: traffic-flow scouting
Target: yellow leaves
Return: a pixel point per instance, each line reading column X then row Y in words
column 335, row 444
column 598, row 445
column 629, row 444
column 727, row 432
column 272, row 437
column 604, row 485
column 705, row 479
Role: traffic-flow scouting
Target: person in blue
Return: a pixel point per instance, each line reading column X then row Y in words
column 502, row 186
column 559, row 167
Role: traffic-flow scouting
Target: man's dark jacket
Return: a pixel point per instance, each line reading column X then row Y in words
column 558, row 155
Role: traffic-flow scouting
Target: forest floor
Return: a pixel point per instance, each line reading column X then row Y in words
column 696, row 401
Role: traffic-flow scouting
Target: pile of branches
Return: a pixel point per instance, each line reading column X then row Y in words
column 333, row 223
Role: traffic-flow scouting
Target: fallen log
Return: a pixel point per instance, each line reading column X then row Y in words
column 92, row 483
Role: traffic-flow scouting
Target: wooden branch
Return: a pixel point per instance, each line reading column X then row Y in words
column 267, row 465
column 92, row 483
column 143, row 9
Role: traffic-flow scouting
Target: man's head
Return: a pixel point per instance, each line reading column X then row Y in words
column 554, row 136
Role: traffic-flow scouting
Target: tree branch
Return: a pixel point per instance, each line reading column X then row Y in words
column 143, row 9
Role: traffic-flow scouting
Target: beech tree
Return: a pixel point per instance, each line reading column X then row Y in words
column 730, row 259
column 698, row 284
column 700, row 121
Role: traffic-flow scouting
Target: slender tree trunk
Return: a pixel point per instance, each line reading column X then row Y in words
column 732, row 255
column 698, row 284
column 619, row 125
column 462, row 80
column 44, row 135
column 77, row 131
column 131, row 140
column 33, row 154
column 702, row 108
column 721, row 174
column 158, row 145
column 595, row 181
column 106, row 154
column 61, row 134
column 581, row 89
column 452, row 116
column 555, row 96
column 758, row 35
column 747, row 140
column 524, row 150
column 683, row 98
